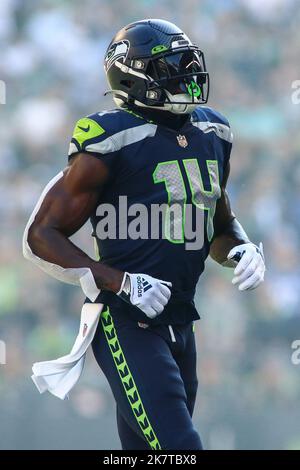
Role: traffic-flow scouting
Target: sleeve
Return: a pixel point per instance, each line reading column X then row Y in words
column 210, row 118
column 92, row 136
column 227, row 150
column 226, row 135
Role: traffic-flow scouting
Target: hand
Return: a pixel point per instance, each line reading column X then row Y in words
column 250, row 269
column 149, row 294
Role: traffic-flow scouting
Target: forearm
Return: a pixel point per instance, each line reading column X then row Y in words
column 230, row 236
column 52, row 246
column 231, row 246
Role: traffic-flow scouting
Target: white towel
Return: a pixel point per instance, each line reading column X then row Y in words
column 61, row 375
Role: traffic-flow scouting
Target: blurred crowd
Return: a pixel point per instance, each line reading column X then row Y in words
column 51, row 63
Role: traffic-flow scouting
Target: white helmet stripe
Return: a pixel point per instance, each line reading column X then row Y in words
column 127, row 69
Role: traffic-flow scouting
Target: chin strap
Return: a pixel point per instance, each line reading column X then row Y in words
column 121, row 98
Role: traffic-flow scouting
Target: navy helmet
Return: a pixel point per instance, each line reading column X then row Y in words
column 152, row 63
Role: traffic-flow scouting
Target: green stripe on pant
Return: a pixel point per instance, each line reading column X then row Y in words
column 127, row 380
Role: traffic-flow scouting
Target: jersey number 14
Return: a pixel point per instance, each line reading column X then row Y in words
column 178, row 211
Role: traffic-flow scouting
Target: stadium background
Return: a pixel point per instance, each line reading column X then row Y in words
column 51, row 62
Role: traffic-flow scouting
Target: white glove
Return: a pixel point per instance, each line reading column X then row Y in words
column 149, row 294
column 250, row 269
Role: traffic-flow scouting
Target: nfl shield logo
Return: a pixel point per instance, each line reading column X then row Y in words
column 182, row 141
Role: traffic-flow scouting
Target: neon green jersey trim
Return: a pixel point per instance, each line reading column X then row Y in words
column 127, row 380
column 137, row 115
column 96, row 249
column 86, row 129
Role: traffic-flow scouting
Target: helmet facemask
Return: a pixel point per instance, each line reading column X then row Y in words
column 179, row 82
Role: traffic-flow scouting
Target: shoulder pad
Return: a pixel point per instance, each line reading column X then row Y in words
column 109, row 131
column 90, row 129
column 204, row 113
column 85, row 129
column 209, row 120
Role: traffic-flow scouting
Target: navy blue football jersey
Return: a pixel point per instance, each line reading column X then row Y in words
column 153, row 165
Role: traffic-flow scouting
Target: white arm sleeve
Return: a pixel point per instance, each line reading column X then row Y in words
column 78, row 276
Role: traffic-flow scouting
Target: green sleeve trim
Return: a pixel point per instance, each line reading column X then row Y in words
column 127, row 380
column 86, row 129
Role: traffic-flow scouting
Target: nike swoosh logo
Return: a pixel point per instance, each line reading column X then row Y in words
column 84, row 129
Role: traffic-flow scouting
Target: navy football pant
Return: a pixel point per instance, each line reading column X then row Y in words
column 152, row 374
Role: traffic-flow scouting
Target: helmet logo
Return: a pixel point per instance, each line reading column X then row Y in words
column 158, row 49
column 182, row 141
column 118, row 50
column 194, row 89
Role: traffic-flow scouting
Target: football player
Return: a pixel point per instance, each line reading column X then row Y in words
column 161, row 145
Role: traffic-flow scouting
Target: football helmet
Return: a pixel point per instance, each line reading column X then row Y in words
column 152, row 63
